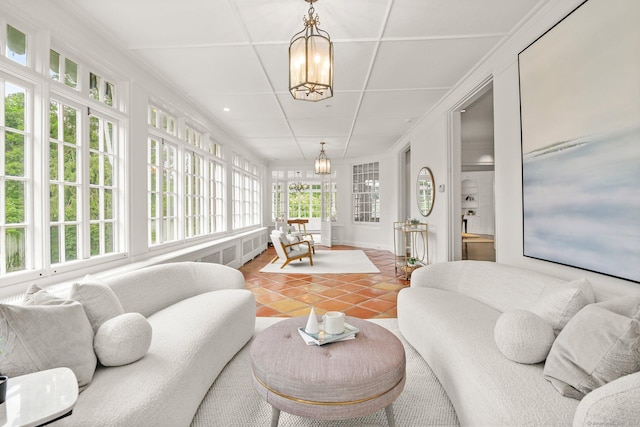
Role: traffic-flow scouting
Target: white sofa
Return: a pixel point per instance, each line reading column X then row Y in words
column 201, row 317
column 448, row 315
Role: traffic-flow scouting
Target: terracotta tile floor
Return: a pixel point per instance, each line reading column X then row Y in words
column 365, row 296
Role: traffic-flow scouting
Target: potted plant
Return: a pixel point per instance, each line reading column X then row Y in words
column 415, row 222
column 412, row 261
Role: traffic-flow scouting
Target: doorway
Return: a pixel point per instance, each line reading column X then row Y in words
column 473, row 211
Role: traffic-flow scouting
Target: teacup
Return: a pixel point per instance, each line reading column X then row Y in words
column 333, row 322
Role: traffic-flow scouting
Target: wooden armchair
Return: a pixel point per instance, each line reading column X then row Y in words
column 290, row 251
column 302, row 229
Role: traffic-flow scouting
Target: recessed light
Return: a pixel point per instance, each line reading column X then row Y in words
column 463, row 111
column 226, row 109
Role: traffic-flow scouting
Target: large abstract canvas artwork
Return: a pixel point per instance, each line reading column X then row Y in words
column 580, row 117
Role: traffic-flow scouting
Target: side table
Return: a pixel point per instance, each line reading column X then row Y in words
column 39, row 398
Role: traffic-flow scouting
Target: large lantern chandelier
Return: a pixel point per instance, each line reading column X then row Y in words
column 311, row 61
column 298, row 186
column 323, row 163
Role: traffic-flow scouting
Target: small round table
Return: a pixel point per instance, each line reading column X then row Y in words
column 340, row 380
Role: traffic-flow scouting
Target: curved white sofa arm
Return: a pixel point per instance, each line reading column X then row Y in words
column 154, row 288
column 445, row 275
column 614, row 404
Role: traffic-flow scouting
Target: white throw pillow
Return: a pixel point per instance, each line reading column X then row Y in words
column 99, row 301
column 560, row 304
column 523, row 336
column 123, row 339
column 599, row 345
column 50, row 335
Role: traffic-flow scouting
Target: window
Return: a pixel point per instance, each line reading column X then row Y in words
column 306, row 203
column 64, row 182
column 185, row 181
column 162, row 191
column 15, row 182
column 162, row 177
column 161, row 120
column 75, row 186
column 194, row 194
column 236, row 189
column 102, row 164
column 366, row 192
column 74, row 170
column 16, row 45
column 278, row 195
column 101, row 90
column 216, row 197
column 245, row 186
column 330, row 197
column 63, row 70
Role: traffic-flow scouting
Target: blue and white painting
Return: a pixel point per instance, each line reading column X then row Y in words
column 580, row 111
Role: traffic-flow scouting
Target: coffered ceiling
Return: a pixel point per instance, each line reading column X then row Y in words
column 394, row 59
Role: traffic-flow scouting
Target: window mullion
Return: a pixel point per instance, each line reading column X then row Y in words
column 84, row 228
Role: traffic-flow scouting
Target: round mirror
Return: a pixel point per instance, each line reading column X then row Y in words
column 425, row 191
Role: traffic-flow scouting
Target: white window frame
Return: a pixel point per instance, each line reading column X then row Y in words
column 365, row 193
column 28, row 179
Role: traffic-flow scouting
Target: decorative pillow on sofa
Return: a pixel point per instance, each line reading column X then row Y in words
column 523, row 336
column 35, row 295
column 123, row 339
column 99, row 301
column 560, row 304
column 54, row 334
column 600, row 344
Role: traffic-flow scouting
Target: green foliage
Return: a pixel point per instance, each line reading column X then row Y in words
column 64, row 151
column 14, row 160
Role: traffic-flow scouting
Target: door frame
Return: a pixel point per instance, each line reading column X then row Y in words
column 454, row 161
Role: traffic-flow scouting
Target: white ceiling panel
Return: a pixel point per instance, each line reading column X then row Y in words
column 244, row 106
column 394, row 59
column 428, row 18
column 228, row 69
column 275, row 62
column 153, row 23
column 275, row 149
column 406, row 104
column 388, row 127
column 426, row 63
column 362, row 146
column 260, row 128
column 320, row 128
column 341, row 106
column 353, row 60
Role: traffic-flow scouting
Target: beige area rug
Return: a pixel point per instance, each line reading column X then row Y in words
column 232, row 401
column 326, row 262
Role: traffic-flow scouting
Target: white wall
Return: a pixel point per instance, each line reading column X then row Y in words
column 430, row 140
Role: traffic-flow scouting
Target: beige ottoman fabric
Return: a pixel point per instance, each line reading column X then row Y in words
column 336, row 381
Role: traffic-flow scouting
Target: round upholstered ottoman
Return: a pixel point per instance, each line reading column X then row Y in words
column 339, row 380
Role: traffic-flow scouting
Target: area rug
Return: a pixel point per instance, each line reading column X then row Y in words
column 326, row 262
column 232, row 401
